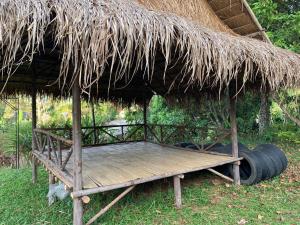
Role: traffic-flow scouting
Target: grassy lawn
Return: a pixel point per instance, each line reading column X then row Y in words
column 207, row 200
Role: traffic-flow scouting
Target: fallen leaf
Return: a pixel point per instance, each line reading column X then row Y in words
column 242, row 222
column 227, row 185
column 259, row 217
column 217, row 181
column 215, row 200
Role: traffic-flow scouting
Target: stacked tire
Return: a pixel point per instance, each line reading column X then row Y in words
column 264, row 162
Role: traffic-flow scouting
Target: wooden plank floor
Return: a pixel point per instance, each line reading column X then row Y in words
column 119, row 163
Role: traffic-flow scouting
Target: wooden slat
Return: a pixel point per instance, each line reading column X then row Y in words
column 121, row 165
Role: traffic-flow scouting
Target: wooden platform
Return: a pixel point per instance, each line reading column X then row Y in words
column 139, row 162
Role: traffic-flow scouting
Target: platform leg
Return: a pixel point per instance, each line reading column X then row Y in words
column 234, row 141
column 34, row 122
column 77, row 153
column 51, row 179
column 177, row 191
column 34, row 170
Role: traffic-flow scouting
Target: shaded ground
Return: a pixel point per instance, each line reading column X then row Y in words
column 7, row 161
column 207, row 200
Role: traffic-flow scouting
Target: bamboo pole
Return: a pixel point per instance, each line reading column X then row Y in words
column 234, row 140
column 177, row 190
column 145, row 119
column 94, row 122
column 77, row 151
column 34, row 122
column 106, row 208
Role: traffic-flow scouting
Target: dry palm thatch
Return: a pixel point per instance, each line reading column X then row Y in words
column 123, row 36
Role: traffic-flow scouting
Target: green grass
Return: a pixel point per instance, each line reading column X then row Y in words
column 207, row 200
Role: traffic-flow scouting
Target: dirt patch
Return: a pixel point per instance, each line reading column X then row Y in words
column 292, row 173
column 6, row 161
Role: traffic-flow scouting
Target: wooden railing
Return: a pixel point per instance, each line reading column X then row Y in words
column 107, row 134
column 160, row 133
column 112, row 134
column 171, row 134
column 55, row 148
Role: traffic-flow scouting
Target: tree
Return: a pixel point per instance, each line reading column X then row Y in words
column 281, row 19
column 264, row 112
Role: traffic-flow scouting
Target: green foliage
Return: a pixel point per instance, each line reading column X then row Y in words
column 161, row 113
column 281, row 19
column 247, row 112
column 8, row 139
column 284, row 133
column 134, row 115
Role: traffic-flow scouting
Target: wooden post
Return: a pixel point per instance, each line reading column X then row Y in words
column 177, row 190
column 94, row 122
column 234, row 140
column 145, row 119
column 51, row 178
column 77, row 151
column 34, row 122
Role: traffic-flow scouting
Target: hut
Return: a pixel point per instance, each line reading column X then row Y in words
column 130, row 50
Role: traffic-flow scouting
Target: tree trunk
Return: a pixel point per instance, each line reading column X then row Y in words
column 264, row 112
column 286, row 112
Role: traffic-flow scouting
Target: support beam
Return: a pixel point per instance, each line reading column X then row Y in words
column 220, row 175
column 145, row 119
column 34, row 122
column 234, row 140
column 106, row 208
column 177, row 190
column 94, row 123
column 77, row 153
column 51, row 178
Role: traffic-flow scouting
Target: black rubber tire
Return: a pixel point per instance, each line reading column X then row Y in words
column 240, row 146
column 271, row 149
column 224, row 169
column 192, row 146
column 268, row 166
column 217, row 145
column 183, row 144
column 250, row 168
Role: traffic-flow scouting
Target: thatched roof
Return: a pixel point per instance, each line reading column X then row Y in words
column 132, row 48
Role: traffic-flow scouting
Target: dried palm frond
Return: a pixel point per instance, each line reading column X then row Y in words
column 124, row 36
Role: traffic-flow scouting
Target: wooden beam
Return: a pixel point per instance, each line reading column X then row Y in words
column 64, row 140
column 106, row 208
column 255, row 33
column 234, row 140
column 177, row 190
column 77, row 152
column 220, row 175
column 34, row 122
column 54, row 169
column 51, row 178
column 234, row 17
column 145, row 119
column 241, row 26
column 255, row 20
column 227, row 7
column 94, row 123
